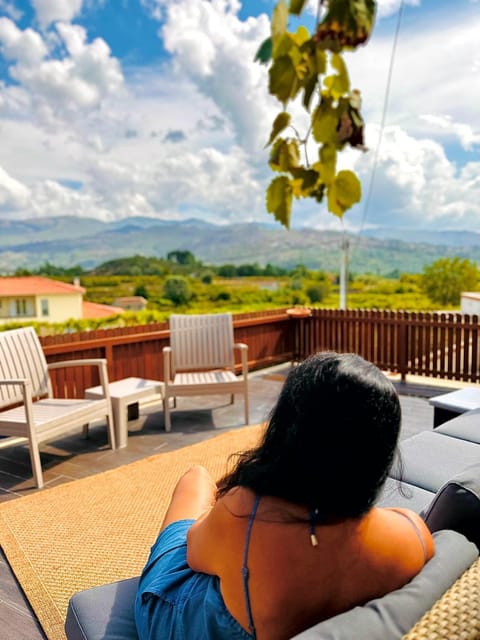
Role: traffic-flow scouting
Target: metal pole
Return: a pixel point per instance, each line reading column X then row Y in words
column 343, row 274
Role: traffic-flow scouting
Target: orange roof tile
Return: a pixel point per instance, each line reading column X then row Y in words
column 95, row 310
column 35, row 285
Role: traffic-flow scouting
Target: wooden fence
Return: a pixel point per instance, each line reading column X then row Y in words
column 137, row 351
column 439, row 345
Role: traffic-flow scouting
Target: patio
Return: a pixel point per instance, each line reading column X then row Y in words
column 195, row 420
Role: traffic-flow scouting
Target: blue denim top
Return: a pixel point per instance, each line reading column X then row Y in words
column 174, row 602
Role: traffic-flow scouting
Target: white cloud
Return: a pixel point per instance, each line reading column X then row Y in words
column 73, row 118
column 58, row 87
column 215, row 49
column 25, row 47
column 466, row 135
column 433, row 72
column 10, row 10
column 418, row 185
column 49, row 11
column 13, row 194
column 386, row 8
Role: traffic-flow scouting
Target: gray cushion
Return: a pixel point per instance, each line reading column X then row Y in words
column 457, row 505
column 106, row 613
column 465, row 427
column 405, row 496
column 103, row 613
column 391, row 617
column 430, row 459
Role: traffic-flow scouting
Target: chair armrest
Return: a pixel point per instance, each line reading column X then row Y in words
column 101, row 363
column 77, row 363
column 15, row 381
column 243, row 348
column 26, row 393
column 241, row 345
column 167, row 356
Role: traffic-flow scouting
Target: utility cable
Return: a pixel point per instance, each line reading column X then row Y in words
column 382, row 122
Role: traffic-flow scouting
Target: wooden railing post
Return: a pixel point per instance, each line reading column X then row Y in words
column 402, row 346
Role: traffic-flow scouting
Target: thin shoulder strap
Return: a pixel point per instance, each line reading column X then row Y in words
column 245, row 572
column 416, row 529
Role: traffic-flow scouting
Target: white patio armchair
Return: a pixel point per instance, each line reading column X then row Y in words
column 28, row 410
column 201, row 360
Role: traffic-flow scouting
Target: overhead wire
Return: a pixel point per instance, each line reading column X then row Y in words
column 382, row 124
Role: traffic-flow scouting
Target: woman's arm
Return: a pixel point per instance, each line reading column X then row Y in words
column 193, row 496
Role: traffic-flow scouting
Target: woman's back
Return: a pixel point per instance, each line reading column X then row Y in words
column 289, row 536
column 291, row 583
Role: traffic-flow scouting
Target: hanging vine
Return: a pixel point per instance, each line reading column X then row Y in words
column 310, row 66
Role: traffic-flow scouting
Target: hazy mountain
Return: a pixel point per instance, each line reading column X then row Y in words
column 446, row 238
column 69, row 241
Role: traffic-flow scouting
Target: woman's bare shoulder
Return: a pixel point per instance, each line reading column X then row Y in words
column 205, row 541
column 417, row 524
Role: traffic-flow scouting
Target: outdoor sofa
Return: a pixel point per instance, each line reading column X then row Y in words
column 440, row 479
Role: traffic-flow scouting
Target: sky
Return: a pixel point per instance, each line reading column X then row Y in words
column 120, row 108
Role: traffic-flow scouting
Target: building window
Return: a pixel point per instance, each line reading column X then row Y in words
column 44, row 305
column 21, row 307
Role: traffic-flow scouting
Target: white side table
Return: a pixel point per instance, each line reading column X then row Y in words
column 449, row 405
column 122, row 394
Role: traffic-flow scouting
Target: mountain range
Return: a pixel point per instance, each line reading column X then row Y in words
column 68, row 241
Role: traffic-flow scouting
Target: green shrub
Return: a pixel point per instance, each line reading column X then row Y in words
column 177, row 289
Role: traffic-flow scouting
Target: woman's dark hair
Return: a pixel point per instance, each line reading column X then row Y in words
column 330, row 440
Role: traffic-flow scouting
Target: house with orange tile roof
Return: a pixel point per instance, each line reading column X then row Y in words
column 39, row 299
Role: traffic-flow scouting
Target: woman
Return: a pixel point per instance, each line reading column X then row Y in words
column 290, row 537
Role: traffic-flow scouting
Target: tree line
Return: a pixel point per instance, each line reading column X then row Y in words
column 442, row 281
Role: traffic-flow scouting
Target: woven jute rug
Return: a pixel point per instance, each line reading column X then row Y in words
column 99, row 529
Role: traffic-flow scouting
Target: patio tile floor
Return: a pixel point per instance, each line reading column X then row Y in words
column 195, row 420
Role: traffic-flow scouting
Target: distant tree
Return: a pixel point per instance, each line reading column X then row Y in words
column 249, row 270
column 50, row 270
column 21, row 271
column 142, row 291
column 318, row 291
column 300, row 271
column 221, row 296
column 444, row 280
column 207, row 277
column 132, row 266
column 273, row 271
column 177, row 289
column 182, row 257
column 227, row 271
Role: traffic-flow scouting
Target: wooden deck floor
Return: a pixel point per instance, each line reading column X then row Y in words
column 197, row 419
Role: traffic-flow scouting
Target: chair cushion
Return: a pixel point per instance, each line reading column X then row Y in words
column 465, row 427
column 103, row 613
column 391, row 617
column 457, row 505
column 405, row 496
column 430, row 459
column 107, row 612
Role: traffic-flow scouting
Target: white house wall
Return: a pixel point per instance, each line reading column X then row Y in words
column 61, row 307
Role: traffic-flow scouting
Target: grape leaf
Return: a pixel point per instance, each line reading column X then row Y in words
column 296, row 7
column 280, row 123
column 343, row 192
column 283, row 81
column 349, row 188
column 279, row 200
column 284, row 155
column 264, row 53
column 279, row 19
column 324, row 122
column 328, row 163
column 339, row 83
